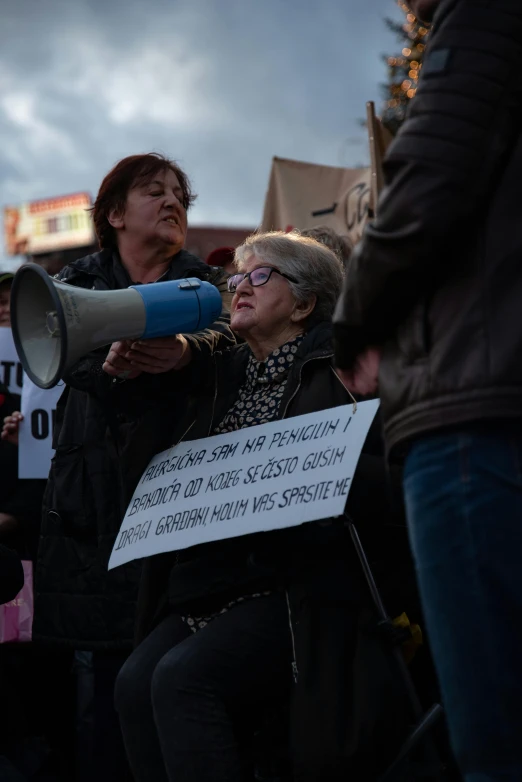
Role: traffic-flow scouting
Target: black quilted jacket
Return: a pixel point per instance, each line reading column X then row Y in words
column 78, row 601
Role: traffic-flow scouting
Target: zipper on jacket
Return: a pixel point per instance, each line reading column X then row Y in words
column 295, row 672
column 214, row 400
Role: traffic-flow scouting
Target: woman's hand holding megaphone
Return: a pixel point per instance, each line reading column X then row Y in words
column 117, row 364
column 154, row 356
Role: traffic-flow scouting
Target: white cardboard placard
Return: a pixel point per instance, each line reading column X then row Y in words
column 11, row 372
column 266, row 477
column 35, row 449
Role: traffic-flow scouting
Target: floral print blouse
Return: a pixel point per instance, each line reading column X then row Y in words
column 260, row 395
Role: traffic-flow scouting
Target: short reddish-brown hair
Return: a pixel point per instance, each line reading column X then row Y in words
column 132, row 171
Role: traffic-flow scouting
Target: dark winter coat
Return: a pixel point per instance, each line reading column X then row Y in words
column 437, row 278
column 315, row 563
column 77, row 600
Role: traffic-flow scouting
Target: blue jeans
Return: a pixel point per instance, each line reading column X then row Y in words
column 463, row 492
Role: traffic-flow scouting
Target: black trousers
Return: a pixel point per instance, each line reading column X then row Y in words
column 100, row 754
column 186, row 700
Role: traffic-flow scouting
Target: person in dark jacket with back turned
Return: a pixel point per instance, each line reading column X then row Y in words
column 140, row 217
column 435, row 286
column 213, row 620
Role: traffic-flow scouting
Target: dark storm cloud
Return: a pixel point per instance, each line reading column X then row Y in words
column 221, row 86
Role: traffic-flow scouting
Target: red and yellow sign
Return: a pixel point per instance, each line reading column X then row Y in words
column 49, row 224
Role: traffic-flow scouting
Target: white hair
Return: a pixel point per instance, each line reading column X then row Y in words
column 318, row 271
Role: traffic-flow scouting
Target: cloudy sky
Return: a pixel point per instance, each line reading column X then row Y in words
column 220, row 85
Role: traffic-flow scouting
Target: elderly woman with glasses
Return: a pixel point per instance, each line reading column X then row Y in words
column 221, row 624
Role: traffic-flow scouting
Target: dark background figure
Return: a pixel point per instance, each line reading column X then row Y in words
column 341, row 245
column 435, row 289
column 140, row 217
column 223, row 257
column 35, row 680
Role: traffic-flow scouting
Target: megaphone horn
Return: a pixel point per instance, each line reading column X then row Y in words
column 55, row 324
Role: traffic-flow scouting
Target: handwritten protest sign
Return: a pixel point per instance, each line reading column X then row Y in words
column 11, row 372
column 36, row 431
column 266, row 477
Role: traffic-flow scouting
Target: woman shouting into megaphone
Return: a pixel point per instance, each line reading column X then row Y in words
column 149, row 229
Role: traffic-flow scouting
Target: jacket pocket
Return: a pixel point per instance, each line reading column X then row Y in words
column 414, row 334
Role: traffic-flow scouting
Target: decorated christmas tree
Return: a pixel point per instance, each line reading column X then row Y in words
column 404, row 68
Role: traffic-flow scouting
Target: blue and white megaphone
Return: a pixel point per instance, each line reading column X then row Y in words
column 55, row 324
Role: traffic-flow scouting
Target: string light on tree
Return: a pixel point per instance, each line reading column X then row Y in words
column 404, row 68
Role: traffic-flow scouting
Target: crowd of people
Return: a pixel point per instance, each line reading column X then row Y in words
column 231, row 623
column 269, row 356
column 257, row 657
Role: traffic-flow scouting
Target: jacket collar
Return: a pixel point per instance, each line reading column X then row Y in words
column 229, row 371
column 446, row 7
column 107, row 267
column 317, row 343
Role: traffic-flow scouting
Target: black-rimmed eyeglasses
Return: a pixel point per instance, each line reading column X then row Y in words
column 256, row 277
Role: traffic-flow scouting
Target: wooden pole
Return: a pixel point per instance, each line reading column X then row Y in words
column 379, row 139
